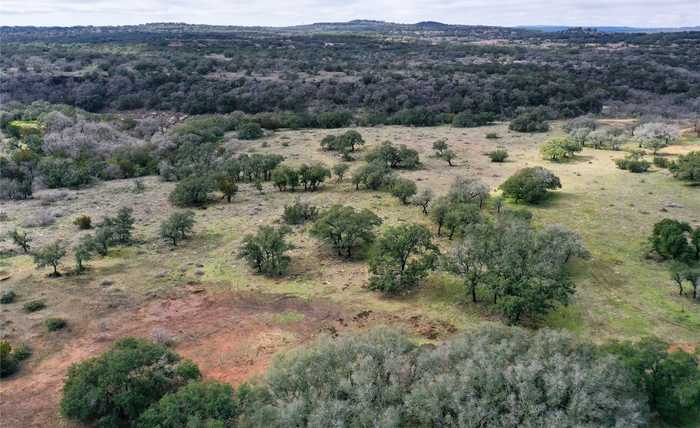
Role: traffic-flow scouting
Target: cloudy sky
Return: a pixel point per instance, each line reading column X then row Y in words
column 640, row 13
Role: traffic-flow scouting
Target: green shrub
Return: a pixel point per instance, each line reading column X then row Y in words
column 115, row 388
column 21, row 239
column 53, row 324
column 669, row 239
column 285, row 178
column 7, row 296
column 400, row 157
column 334, row 119
column 299, row 213
column 339, row 171
column 346, row 142
column 498, row 155
column 633, row 162
column 227, row 186
column 61, row 172
column 312, row 176
column 177, row 227
column 471, row 120
column 8, row 360
column 249, row 131
column 532, row 120
column 192, row 191
column 266, row 250
column 197, row 404
column 403, row 189
column 50, row 255
column 660, row 162
column 22, row 352
column 671, row 379
column 490, row 377
column 83, row 222
column 401, row 258
column 345, row 228
column 492, row 136
column 34, row 306
column 687, row 167
column 373, row 175
column 530, row 184
column 559, row 149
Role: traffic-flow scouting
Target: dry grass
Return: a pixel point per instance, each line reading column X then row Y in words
column 620, row 294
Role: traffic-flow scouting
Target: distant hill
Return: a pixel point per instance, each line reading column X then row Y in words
column 609, row 29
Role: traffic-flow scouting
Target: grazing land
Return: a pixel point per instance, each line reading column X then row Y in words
column 344, row 223
column 231, row 321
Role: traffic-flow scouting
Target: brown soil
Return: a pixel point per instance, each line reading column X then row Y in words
column 230, row 336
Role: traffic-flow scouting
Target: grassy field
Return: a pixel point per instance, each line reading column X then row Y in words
column 211, row 302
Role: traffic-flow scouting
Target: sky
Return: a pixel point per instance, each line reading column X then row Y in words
column 637, row 13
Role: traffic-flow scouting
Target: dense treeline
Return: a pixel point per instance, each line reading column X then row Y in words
column 381, row 81
column 496, row 376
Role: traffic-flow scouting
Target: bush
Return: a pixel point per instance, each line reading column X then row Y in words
column 671, row 379
column 21, row 239
column 249, row 131
column 334, row 119
column 266, row 250
column 403, row 189
column 633, row 162
column 83, row 222
column 62, row 172
column 40, row 219
column 533, row 120
column 345, row 228
column 7, row 296
column 401, row 258
column 312, row 176
column 530, row 185
column 687, row 167
column 400, row 157
column 660, row 162
column 34, row 306
column 373, row 175
column 192, row 191
column 22, row 352
column 382, row 378
column 347, row 142
column 669, row 239
column 9, row 362
column 50, row 255
column 54, row 324
column 299, row 213
column 227, row 186
column 177, row 227
column 498, row 155
column 470, row 120
column 285, row 178
column 492, row 136
column 197, row 404
column 339, row 171
column 115, row 388
column 559, row 149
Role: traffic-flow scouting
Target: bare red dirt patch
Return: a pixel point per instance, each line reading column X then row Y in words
column 230, row 336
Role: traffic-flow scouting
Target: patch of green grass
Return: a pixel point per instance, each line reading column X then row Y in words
column 287, row 317
column 25, row 124
column 55, row 324
column 34, row 306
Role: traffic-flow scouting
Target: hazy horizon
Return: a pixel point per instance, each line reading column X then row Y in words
column 504, row 13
